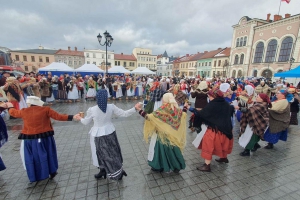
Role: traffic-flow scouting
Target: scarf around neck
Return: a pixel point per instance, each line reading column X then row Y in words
column 102, row 99
column 168, row 115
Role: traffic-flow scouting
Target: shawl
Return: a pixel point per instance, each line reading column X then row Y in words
column 257, row 116
column 102, row 99
column 170, row 128
column 217, row 115
column 279, row 116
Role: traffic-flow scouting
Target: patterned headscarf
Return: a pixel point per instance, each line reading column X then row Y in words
column 216, row 93
column 102, row 99
column 155, row 85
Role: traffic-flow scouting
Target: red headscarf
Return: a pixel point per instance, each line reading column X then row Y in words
column 215, row 93
column 155, row 85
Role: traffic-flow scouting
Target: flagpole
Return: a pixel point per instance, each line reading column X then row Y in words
column 279, row 7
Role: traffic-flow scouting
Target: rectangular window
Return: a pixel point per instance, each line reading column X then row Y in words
column 119, row 63
column 87, row 62
column 124, row 64
column 17, row 58
column 26, row 68
column 209, row 64
column 219, row 63
column 116, row 62
column 75, row 62
column 131, row 64
column 94, row 63
column 102, row 56
column 40, row 59
column 70, row 62
column 59, row 61
column 33, row 68
column 79, row 62
column 108, row 56
column 24, row 58
column 87, row 55
column 94, row 55
column 32, row 59
column 205, row 63
column 215, row 63
column 47, row 59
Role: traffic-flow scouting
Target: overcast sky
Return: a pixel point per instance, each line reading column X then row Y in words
column 177, row 26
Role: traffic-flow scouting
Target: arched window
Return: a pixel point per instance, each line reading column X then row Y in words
column 233, row 73
column 241, row 41
column 236, row 59
column 237, row 42
column 240, row 73
column 242, row 59
column 267, row 73
column 285, row 50
column 259, row 52
column 255, row 73
column 245, row 41
column 271, row 51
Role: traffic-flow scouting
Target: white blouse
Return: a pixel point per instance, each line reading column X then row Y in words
column 102, row 121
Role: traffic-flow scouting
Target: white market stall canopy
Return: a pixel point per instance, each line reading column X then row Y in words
column 142, row 70
column 55, row 66
column 118, row 70
column 89, row 68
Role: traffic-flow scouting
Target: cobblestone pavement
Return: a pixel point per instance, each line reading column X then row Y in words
column 267, row 174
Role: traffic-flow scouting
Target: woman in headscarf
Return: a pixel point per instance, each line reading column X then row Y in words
column 179, row 96
column 294, row 105
column 167, row 128
column 155, row 98
column 130, row 88
column 38, row 149
column 73, row 94
column 3, row 132
column 254, row 122
column 217, row 139
column 279, row 120
column 91, row 88
column 106, row 151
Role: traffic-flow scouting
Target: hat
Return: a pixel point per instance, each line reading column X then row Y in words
column 215, row 93
column 10, row 79
column 283, row 91
column 292, row 90
column 264, row 97
column 202, row 85
column 34, row 101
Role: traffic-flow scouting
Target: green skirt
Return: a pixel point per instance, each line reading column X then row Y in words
column 149, row 107
column 167, row 158
column 254, row 139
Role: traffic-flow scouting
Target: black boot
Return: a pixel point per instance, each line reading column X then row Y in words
column 123, row 174
column 100, row 174
column 246, row 152
column 256, row 146
column 269, row 146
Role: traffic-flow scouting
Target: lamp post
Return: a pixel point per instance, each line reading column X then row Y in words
column 108, row 41
column 291, row 62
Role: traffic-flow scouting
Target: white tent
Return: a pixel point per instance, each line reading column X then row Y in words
column 55, row 66
column 142, row 70
column 89, row 68
column 118, row 70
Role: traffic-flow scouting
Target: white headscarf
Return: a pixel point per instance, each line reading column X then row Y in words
column 224, row 87
column 249, row 89
column 169, row 99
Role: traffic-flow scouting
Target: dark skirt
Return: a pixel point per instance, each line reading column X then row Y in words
column 275, row 137
column 254, row 139
column 109, row 155
column 3, row 132
column 2, row 166
column 294, row 119
column 40, row 158
column 62, row 94
column 167, row 158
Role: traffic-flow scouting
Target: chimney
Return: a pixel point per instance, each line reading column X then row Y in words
column 205, row 51
column 41, row 47
column 268, row 17
column 75, row 48
column 287, row 15
column 122, row 54
column 277, row 17
column 187, row 55
column 69, row 48
column 219, row 48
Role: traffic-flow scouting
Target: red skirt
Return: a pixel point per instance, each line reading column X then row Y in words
column 215, row 143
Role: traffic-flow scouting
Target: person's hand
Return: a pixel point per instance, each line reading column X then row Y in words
column 3, row 105
column 138, row 106
column 9, row 105
column 77, row 117
column 186, row 104
column 236, row 107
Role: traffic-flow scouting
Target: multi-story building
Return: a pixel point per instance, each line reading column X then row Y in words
column 187, row 67
column 145, row 58
column 98, row 58
column 264, row 47
column 73, row 59
column 162, row 66
column 220, row 63
column 127, row 61
column 204, row 64
column 4, row 56
column 32, row 59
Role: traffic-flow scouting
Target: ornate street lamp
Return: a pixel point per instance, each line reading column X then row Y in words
column 108, row 41
column 291, row 62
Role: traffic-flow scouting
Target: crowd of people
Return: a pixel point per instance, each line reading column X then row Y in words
column 262, row 110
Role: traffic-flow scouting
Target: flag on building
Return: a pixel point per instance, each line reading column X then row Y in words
column 288, row 1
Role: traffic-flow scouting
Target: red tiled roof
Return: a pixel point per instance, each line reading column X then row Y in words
column 225, row 52
column 124, row 57
column 211, row 54
column 196, row 57
column 70, row 52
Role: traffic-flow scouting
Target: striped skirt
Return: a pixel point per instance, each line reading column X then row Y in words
column 109, row 155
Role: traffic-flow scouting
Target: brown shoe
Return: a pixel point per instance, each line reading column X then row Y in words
column 222, row 160
column 204, row 168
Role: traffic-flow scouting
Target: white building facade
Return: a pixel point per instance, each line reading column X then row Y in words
column 98, row 57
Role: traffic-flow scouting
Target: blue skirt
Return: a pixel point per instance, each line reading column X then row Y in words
column 40, row 158
column 274, row 137
column 136, row 92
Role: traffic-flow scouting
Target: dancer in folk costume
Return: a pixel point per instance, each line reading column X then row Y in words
column 117, row 89
column 217, row 138
column 12, row 92
column 22, row 103
column 3, row 132
column 294, row 105
column 38, row 149
column 73, row 94
column 130, row 88
column 138, row 89
column 167, row 128
column 155, row 98
column 254, row 122
column 106, row 151
column 62, row 92
column 180, row 96
column 279, row 120
column 183, row 86
column 91, row 88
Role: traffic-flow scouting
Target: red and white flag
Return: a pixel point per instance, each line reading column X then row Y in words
column 288, row 1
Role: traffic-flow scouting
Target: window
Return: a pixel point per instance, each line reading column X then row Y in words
column 236, row 60
column 32, row 59
column 24, row 58
column 40, row 59
column 33, row 68
column 242, row 59
column 65, row 61
column 47, row 59
column 209, row 64
column 116, row 63
column 259, row 52
column 271, row 51
column 124, row 64
column 59, row 61
column 241, row 42
column 119, row 63
column 87, row 55
column 219, row 63
column 95, row 63
column 87, row 62
column 285, row 50
column 102, row 56
column 75, row 62
column 26, row 68
column 139, row 65
column 70, row 62
column 237, row 42
column 233, row 73
column 205, row 63
column 131, row 64
column 108, row 56
column 215, row 63
column 245, row 41
column 94, row 55
column 17, row 58
column 79, row 62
